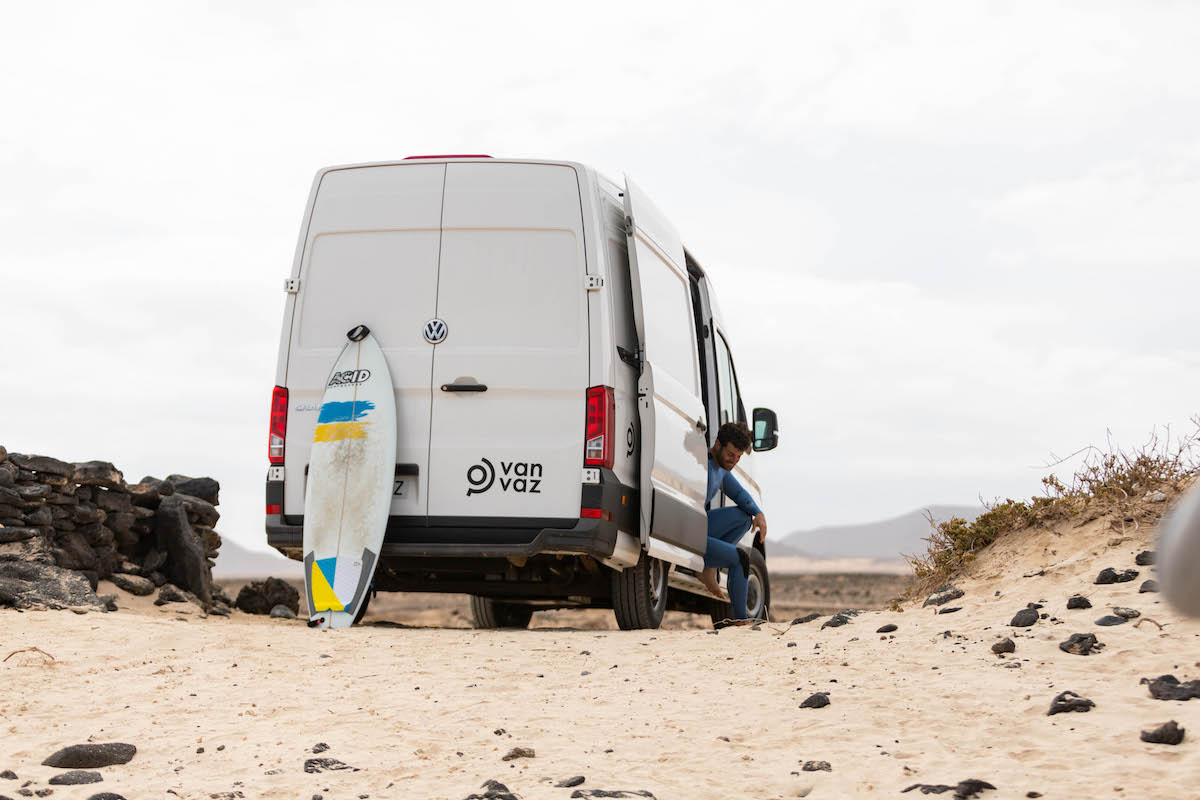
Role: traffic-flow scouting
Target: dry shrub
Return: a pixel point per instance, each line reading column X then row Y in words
column 1108, row 480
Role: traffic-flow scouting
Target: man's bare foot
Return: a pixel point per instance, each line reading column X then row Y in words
column 708, row 576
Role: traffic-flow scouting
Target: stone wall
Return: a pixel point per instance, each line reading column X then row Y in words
column 65, row 526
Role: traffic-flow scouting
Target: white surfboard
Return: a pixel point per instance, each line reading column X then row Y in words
column 350, row 476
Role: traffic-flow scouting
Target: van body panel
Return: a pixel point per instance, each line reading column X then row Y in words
column 511, row 293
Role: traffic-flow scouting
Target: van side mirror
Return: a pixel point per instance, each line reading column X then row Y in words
column 766, row 430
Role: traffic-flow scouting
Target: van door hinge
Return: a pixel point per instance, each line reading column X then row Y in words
column 291, row 285
column 628, row 225
column 593, row 283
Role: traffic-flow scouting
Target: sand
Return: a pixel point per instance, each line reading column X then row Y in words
column 430, row 712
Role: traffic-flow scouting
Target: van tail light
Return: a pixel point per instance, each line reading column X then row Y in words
column 598, row 439
column 278, row 432
column 274, row 508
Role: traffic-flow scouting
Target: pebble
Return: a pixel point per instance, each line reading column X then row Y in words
column 106, row 796
column 1145, row 558
column 1005, row 645
column 1069, row 701
column 817, row 700
column 950, row 610
column 1109, row 620
column 965, row 789
column 1148, row 586
column 1110, row 575
column 886, row 628
column 1024, row 618
column 76, row 776
column 325, row 765
column 1169, row 733
column 943, row 595
column 1168, row 687
column 8, row 775
column 320, row 747
column 805, row 618
column 791, row 644
column 83, row 756
column 613, row 793
column 817, row 766
column 518, row 752
column 836, row 621
column 569, row 782
column 1079, row 602
column 282, row 612
column 1081, row 644
column 1127, row 613
column 493, row 790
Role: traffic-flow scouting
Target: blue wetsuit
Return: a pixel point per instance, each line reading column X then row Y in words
column 726, row 527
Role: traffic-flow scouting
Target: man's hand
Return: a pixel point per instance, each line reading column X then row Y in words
column 760, row 525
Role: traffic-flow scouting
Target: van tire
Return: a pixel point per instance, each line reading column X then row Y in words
column 487, row 613
column 640, row 594
column 721, row 610
column 362, row 607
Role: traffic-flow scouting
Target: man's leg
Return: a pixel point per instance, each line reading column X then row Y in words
column 726, row 526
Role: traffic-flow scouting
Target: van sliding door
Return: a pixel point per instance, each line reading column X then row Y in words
column 674, row 464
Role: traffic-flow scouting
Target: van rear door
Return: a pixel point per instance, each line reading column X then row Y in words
column 510, row 376
column 370, row 257
column 674, row 461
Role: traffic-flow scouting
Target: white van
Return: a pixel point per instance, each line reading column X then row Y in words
column 560, row 369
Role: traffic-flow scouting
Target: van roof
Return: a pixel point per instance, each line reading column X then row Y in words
column 409, row 161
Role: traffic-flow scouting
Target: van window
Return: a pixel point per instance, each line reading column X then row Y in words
column 670, row 334
column 730, row 398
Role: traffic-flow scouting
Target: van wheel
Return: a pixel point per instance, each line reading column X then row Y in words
column 758, row 593
column 489, row 613
column 640, row 594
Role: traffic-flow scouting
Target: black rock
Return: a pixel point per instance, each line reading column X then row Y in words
column 1168, row 687
column 493, row 790
column 324, row 765
column 949, row 610
column 320, row 747
column 8, row 775
column 886, row 628
column 1145, row 558
column 518, row 752
column 1004, row 646
column 1024, row 618
column 25, row 584
column 187, row 567
column 1169, row 733
column 817, row 700
column 1069, row 701
column 613, row 793
column 106, row 796
column 115, row 502
column 1079, row 602
column 1148, row 586
column 817, row 766
column 8, row 535
column 206, row 489
column 282, row 612
column 1127, row 613
column 1036, row 606
column 200, row 512
column 90, row 756
column 569, row 782
column 964, row 790
column 1110, row 575
column 97, row 473
column 133, row 584
column 76, row 776
column 805, row 618
column 51, row 466
column 170, row 593
column 259, row 597
column 1109, row 620
column 942, row 595
column 109, row 600
column 1081, row 644
column 836, row 621
column 74, row 552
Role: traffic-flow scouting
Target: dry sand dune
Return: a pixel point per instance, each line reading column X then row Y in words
column 233, row 707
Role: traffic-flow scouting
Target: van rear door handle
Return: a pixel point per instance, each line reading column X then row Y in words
column 467, row 384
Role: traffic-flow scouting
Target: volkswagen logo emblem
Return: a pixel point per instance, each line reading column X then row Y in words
column 435, row 331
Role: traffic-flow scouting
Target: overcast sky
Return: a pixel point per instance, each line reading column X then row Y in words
column 951, row 238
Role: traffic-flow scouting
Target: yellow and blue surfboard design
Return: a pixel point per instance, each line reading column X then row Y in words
column 342, row 419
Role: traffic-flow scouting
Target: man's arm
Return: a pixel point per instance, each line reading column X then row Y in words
column 738, row 494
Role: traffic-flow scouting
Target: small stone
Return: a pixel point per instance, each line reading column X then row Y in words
column 133, row 584
column 97, row 473
column 569, row 782
column 282, row 612
column 1036, row 606
column 1110, row 575
column 8, row 775
column 1170, row 733
column 45, row 464
column 805, row 618
column 1109, row 620
column 886, row 628
column 1024, row 618
column 1145, row 558
column 617, row 793
column 817, row 766
column 1168, row 687
column 1081, row 644
column 76, row 776
column 90, row 756
column 836, row 621
column 1127, row 613
column 1004, row 646
column 816, row 700
column 950, row 610
column 320, row 747
column 1148, row 586
column 791, row 644
column 1069, row 701
column 106, row 796
column 518, row 752
column 1156, row 496
column 1078, row 602
column 942, row 595
column 324, row 765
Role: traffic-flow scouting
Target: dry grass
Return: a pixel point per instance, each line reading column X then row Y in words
column 1108, row 481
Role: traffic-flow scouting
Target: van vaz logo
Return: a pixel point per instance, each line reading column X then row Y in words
column 515, row 476
column 350, row 376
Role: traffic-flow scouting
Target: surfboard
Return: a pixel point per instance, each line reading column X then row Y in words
column 350, row 476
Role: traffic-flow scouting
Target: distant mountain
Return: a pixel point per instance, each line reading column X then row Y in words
column 887, row 539
column 235, row 561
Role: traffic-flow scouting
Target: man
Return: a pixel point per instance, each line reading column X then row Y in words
column 726, row 526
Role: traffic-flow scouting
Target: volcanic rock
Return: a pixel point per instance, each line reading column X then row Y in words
column 1109, row 620
column 493, row 790
column 1069, row 701
column 1024, row 618
column 186, row 566
column 90, row 756
column 618, row 793
column 964, row 790
column 75, row 777
column 1110, row 575
column 325, row 765
column 569, row 782
column 805, row 618
column 106, row 796
column 1148, row 586
column 1168, row 687
column 1145, row 558
column 113, row 501
column 1081, row 644
column 133, row 584
column 817, row 766
column 206, row 489
column 836, row 621
column 97, row 473
column 74, row 552
column 45, row 464
column 259, row 597
column 1004, row 646
column 32, row 585
column 886, row 628
column 1169, row 733
column 949, row 610
column 170, row 593
column 282, row 612
column 1127, row 613
column 16, row 534
column 518, row 752
column 816, row 700
column 200, row 512
column 942, row 595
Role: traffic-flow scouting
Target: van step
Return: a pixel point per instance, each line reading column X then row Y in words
column 683, row 578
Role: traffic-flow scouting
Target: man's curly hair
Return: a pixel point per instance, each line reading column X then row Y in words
column 736, row 434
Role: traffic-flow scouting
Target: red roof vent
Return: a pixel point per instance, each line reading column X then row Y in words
column 468, row 155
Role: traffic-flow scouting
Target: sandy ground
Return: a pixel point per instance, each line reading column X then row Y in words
column 430, row 712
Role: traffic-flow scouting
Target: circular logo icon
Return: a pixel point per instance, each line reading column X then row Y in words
column 435, row 331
